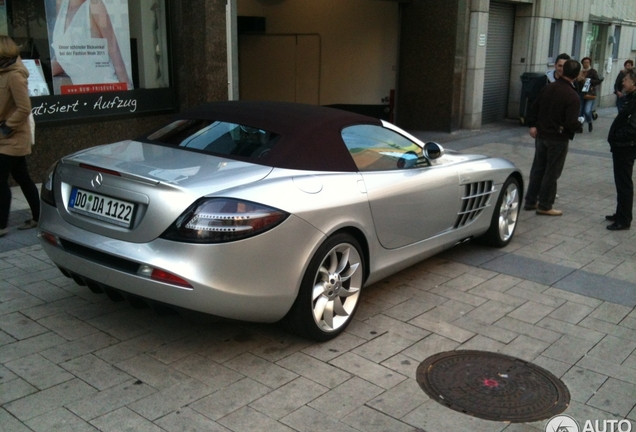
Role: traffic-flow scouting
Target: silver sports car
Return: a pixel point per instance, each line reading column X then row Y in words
column 267, row 211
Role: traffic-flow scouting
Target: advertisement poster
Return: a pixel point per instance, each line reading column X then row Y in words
column 4, row 27
column 90, row 45
column 37, row 83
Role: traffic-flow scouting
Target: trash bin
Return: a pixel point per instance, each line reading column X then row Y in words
column 528, row 82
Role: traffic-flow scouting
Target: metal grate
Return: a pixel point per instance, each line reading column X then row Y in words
column 500, row 37
column 476, row 198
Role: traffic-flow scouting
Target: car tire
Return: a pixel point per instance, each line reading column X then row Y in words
column 505, row 216
column 330, row 290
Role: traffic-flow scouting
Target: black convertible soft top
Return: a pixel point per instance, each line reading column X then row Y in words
column 310, row 135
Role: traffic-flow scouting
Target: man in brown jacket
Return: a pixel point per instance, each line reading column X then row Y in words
column 554, row 119
column 15, row 133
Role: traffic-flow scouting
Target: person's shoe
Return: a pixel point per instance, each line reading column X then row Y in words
column 594, row 115
column 3, row 231
column 590, row 127
column 617, row 227
column 530, row 207
column 551, row 212
column 611, row 218
column 28, row 224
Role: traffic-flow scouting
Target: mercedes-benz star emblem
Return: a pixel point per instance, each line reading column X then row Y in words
column 97, row 180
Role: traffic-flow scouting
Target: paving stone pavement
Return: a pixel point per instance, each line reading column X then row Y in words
column 561, row 295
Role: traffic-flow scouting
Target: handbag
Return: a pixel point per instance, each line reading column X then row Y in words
column 588, row 90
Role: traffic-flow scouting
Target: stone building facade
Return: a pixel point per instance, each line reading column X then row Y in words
column 438, row 65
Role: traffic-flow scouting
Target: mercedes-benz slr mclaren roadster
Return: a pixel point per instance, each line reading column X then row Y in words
column 268, row 211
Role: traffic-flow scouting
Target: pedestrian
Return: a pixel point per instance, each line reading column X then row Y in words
column 587, row 81
column 622, row 141
column 550, row 76
column 618, row 84
column 554, row 119
column 553, row 74
column 15, row 134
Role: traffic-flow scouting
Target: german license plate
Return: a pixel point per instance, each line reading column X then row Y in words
column 101, row 207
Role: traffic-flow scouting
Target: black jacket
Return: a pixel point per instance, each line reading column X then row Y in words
column 618, row 84
column 622, row 133
column 555, row 113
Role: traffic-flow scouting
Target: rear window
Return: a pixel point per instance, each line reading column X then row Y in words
column 216, row 137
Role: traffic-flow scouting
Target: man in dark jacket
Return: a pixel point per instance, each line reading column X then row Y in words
column 622, row 141
column 554, row 119
column 550, row 76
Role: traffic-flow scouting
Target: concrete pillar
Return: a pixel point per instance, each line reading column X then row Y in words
column 476, row 64
column 432, row 64
column 199, row 48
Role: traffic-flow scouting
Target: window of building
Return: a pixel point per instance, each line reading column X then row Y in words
column 105, row 57
column 617, row 38
column 555, row 40
column 576, row 40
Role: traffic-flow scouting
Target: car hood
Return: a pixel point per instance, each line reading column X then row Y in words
column 175, row 166
column 160, row 181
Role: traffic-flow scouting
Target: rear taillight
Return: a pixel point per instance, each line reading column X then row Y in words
column 50, row 239
column 46, row 193
column 220, row 220
column 162, row 276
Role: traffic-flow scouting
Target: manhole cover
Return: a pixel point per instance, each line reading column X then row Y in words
column 492, row 386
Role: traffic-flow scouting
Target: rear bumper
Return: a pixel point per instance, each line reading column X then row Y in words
column 256, row 279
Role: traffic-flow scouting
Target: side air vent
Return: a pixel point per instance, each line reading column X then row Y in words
column 476, row 198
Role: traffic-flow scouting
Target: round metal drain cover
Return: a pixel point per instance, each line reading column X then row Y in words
column 492, row 386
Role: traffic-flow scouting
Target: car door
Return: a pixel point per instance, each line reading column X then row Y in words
column 411, row 199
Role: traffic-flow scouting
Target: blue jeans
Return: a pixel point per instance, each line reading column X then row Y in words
column 586, row 109
column 547, row 166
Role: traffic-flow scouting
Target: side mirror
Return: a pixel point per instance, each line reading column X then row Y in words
column 407, row 160
column 433, row 150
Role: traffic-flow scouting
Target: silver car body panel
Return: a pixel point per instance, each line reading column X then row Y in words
column 397, row 196
column 161, row 195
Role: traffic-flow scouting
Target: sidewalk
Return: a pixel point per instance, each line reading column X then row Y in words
column 19, row 213
column 561, row 295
